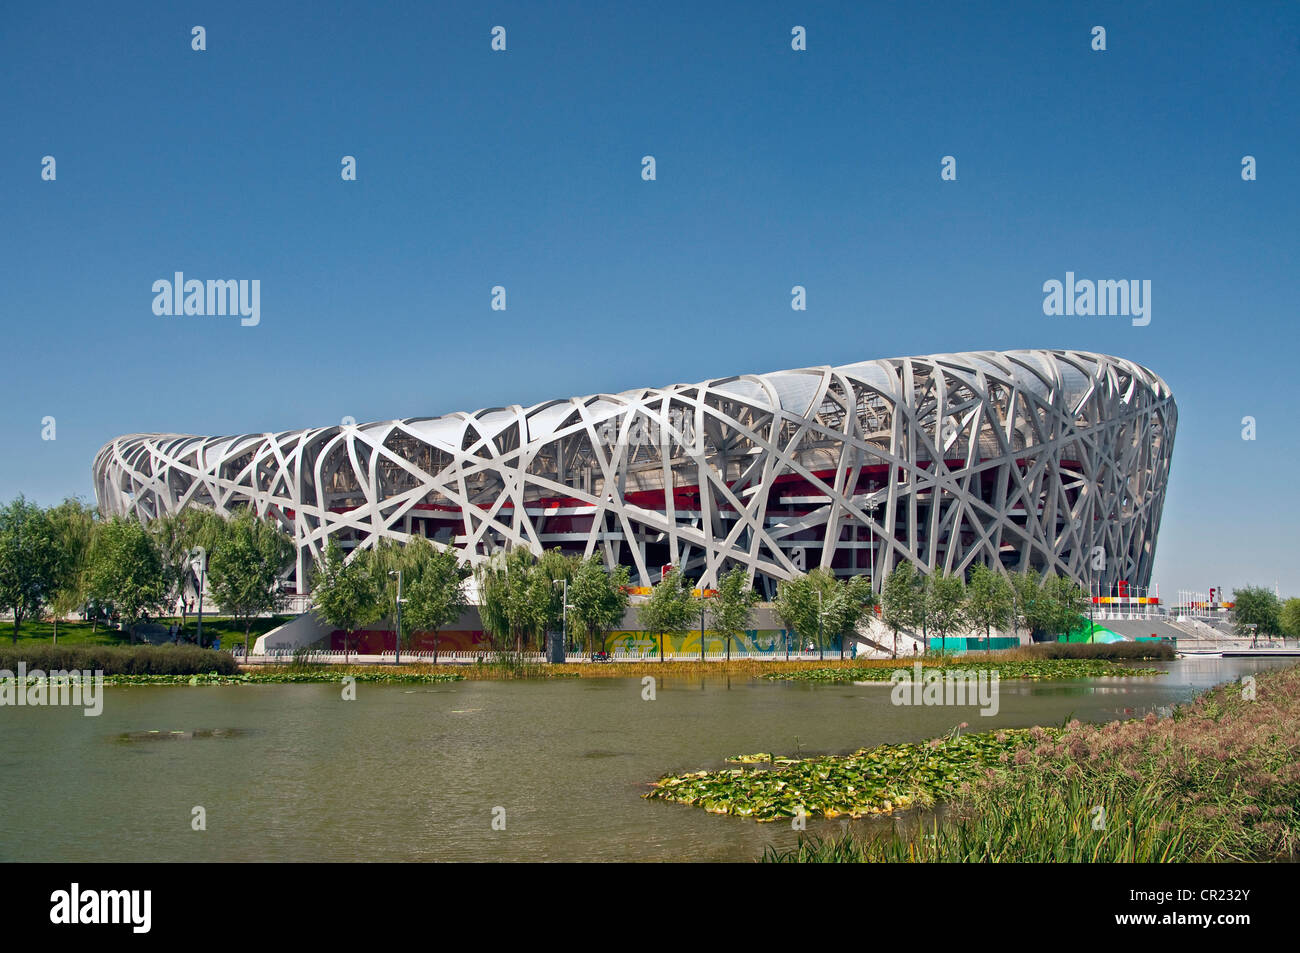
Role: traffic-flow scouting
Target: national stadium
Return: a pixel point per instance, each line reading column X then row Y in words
column 1051, row 460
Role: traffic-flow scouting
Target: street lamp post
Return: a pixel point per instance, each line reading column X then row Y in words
column 1092, row 623
column 201, row 555
column 701, row 623
column 397, row 643
column 872, row 506
column 821, row 651
column 564, row 613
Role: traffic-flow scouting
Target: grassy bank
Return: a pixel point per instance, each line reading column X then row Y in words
column 291, row 676
column 1219, row 781
column 228, row 630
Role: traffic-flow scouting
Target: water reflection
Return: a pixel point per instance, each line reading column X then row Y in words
column 299, row 774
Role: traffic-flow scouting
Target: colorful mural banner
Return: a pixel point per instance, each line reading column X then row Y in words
column 753, row 642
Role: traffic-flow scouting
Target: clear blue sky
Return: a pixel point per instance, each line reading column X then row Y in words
column 522, row 169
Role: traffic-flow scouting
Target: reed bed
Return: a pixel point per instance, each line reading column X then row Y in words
column 124, row 660
column 1217, row 782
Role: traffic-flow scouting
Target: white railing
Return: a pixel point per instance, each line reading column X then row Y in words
column 338, row 657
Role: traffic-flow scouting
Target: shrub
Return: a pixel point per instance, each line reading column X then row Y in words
column 119, row 660
column 1103, row 650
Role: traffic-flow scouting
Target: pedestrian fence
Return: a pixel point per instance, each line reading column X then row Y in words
column 337, row 657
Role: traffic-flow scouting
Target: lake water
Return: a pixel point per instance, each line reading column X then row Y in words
column 294, row 773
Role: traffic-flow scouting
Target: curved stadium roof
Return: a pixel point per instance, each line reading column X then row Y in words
column 1032, row 458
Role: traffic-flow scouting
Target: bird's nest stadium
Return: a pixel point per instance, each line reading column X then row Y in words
column 1053, row 460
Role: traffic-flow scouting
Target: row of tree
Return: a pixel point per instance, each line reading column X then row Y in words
column 673, row 608
column 66, row 559
column 947, row 605
column 522, row 596
column 1266, row 612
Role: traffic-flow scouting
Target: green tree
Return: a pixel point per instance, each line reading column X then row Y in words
column 1063, row 605
column 74, row 527
column 900, row 601
column 851, row 602
column 506, row 594
column 1291, row 618
column 125, row 570
column 546, row 592
column 669, row 611
column 245, row 568
column 1255, row 605
column 731, row 611
column 989, row 600
column 801, row 604
column 598, row 599
column 945, row 604
column 1027, row 605
column 30, row 561
column 346, row 594
column 176, row 535
column 433, row 587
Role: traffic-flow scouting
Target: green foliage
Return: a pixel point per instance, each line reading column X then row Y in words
column 1055, row 605
column 433, row 589
column 901, row 601
column 989, row 600
column 120, row 660
column 1217, row 782
column 945, row 604
column 245, row 567
column 505, row 585
column 347, row 594
column 31, row 567
column 731, row 611
column 1255, row 605
column 800, row 604
column 1027, row 607
column 1104, row 650
column 74, row 527
column 176, row 536
column 125, row 570
column 1063, row 605
column 669, row 611
column 546, row 591
column 598, row 599
column 1290, row 618
column 869, row 781
column 850, row 602
column 324, row 674
column 1045, row 669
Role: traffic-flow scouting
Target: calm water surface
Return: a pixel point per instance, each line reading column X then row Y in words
column 292, row 772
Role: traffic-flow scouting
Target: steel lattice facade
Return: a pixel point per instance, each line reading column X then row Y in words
column 1053, row 460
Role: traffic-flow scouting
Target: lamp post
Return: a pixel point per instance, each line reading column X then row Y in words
column 872, row 506
column 701, row 623
column 821, row 652
column 564, row 612
column 397, row 643
column 1092, row 623
column 200, row 555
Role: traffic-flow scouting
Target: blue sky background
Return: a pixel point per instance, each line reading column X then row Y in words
column 775, row 168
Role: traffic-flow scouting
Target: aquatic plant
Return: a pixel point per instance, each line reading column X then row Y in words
column 1218, row 781
column 1006, row 669
column 869, row 781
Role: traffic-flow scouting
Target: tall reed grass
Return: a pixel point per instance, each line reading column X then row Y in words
column 119, row 660
column 1219, row 781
